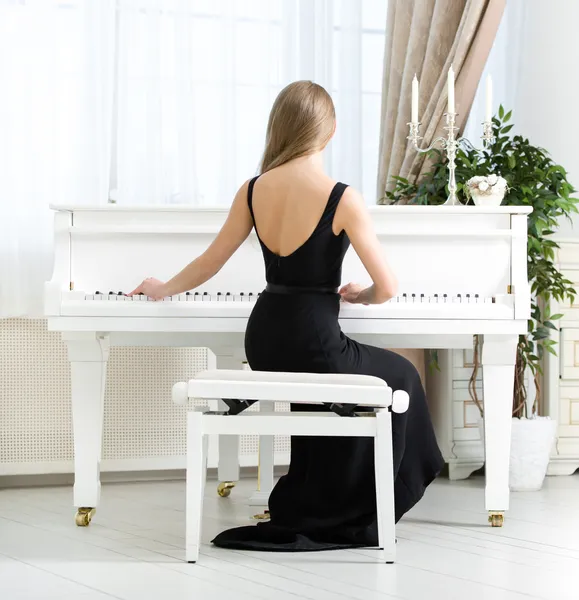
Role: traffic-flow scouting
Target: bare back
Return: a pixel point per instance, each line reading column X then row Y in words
column 288, row 204
column 293, row 216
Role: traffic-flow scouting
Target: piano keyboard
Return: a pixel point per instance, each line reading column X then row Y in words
column 233, row 304
column 253, row 296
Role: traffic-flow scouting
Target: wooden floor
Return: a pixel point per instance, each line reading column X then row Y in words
column 133, row 550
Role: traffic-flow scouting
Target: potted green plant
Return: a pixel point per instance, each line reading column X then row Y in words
column 531, row 178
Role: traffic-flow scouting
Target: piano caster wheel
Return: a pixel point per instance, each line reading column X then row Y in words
column 224, row 488
column 496, row 519
column 264, row 516
column 84, row 516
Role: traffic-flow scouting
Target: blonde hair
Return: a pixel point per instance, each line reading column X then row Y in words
column 301, row 122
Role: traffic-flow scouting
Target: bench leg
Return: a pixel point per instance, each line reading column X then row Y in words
column 383, row 461
column 196, row 475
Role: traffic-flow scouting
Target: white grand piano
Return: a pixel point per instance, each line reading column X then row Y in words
column 462, row 271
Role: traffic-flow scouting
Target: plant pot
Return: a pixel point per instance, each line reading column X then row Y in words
column 493, row 199
column 531, row 444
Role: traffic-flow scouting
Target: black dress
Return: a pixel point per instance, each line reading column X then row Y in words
column 327, row 500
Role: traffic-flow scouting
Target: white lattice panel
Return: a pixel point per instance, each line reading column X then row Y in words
column 143, row 428
column 35, row 418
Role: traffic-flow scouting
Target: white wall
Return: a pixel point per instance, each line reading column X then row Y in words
column 547, row 87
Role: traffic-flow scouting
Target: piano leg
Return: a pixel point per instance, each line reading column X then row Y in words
column 498, row 360
column 228, row 465
column 88, row 355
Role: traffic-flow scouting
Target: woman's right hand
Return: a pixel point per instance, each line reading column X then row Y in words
column 351, row 292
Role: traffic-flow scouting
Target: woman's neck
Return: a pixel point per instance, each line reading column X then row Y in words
column 313, row 162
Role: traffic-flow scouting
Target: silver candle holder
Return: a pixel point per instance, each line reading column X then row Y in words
column 450, row 144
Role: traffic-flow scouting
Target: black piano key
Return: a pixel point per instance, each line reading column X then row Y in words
column 228, row 294
column 206, row 293
column 120, row 294
column 241, row 294
column 187, row 293
column 476, row 295
column 219, row 293
column 197, row 293
column 97, row 293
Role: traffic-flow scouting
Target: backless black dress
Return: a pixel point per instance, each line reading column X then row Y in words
column 327, row 499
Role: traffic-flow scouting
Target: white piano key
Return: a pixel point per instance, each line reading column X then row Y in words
column 89, row 296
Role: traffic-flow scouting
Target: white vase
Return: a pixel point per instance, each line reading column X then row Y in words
column 531, row 444
column 493, row 199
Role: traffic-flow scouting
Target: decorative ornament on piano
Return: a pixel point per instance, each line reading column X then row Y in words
column 451, row 142
column 486, row 190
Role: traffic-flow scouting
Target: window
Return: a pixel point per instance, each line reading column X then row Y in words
column 195, row 81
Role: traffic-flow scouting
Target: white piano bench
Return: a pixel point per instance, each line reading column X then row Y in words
column 296, row 388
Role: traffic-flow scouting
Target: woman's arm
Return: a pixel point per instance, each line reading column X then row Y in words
column 234, row 232
column 353, row 216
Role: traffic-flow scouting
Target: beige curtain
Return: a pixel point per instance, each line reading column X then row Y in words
column 424, row 37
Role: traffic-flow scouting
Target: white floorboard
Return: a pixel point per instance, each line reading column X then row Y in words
column 133, row 549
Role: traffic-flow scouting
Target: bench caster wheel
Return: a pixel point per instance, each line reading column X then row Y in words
column 496, row 519
column 84, row 516
column 224, row 488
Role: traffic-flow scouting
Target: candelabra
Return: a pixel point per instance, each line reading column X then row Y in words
column 450, row 144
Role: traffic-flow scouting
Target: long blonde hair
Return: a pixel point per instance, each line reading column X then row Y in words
column 301, row 122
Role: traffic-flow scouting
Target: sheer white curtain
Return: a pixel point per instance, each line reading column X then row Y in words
column 55, row 114
column 195, row 81
column 163, row 101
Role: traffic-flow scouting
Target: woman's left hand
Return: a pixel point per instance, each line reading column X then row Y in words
column 151, row 287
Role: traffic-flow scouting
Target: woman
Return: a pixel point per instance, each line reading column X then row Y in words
column 305, row 222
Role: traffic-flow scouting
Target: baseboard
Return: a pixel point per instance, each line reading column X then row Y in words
column 67, row 479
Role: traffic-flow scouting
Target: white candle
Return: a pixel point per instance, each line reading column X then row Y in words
column 414, row 116
column 450, row 90
column 489, row 100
